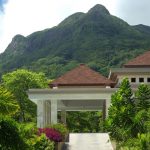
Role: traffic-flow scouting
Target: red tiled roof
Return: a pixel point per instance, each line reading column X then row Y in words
column 82, row 76
column 140, row 61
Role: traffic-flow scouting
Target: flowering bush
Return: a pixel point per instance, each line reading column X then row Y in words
column 61, row 128
column 51, row 134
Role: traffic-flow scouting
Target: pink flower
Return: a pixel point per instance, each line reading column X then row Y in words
column 51, row 134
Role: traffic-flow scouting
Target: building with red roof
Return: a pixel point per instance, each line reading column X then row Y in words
column 136, row 70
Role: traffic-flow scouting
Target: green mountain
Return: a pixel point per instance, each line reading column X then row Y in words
column 96, row 38
column 143, row 28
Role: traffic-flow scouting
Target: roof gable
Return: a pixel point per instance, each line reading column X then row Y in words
column 81, row 76
column 140, row 61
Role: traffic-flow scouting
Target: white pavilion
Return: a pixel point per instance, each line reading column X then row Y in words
column 84, row 89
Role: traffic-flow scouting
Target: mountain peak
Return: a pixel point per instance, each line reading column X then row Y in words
column 99, row 9
column 18, row 37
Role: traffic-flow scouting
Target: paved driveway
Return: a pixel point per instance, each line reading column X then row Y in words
column 89, row 141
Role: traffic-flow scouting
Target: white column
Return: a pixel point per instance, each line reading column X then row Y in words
column 43, row 113
column 108, row 103
column 47, row 113
column 63, row 116
column 40, row 114
column 53, row 111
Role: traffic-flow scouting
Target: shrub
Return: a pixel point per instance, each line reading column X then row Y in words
column 142, row 142
column 51, row 134
column 10, row 138
column 43, row 143
column 61, row 128
column 28, row 132
column 8, row 104
column 35, row 142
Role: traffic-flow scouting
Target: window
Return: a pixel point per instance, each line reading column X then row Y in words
column 141, row 79
column 133, row 80
column 148, row 79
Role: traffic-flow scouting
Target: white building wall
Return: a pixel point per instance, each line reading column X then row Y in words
column 137, row 76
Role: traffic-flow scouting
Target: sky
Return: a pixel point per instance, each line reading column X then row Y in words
column 27, row 16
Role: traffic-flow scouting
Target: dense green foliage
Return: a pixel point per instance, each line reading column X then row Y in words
column 142, row 142
column 17, row 136
column 33, row 141
column 121, row 113
column 143, row 97
column 8, row 104
column 18, row 82
column 95, row 38
column 43, row 143
column 28, row 132
column 142, row 116
column 129, row 117
column 10, row 138
column 79, row 122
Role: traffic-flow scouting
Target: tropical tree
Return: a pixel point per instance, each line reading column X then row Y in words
column 142, row 117
column 18, row 82
column 122, row 112
column 143, row 97
column 8, row 104
column 129, row 117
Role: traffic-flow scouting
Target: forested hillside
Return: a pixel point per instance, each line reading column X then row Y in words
column 95, row 38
